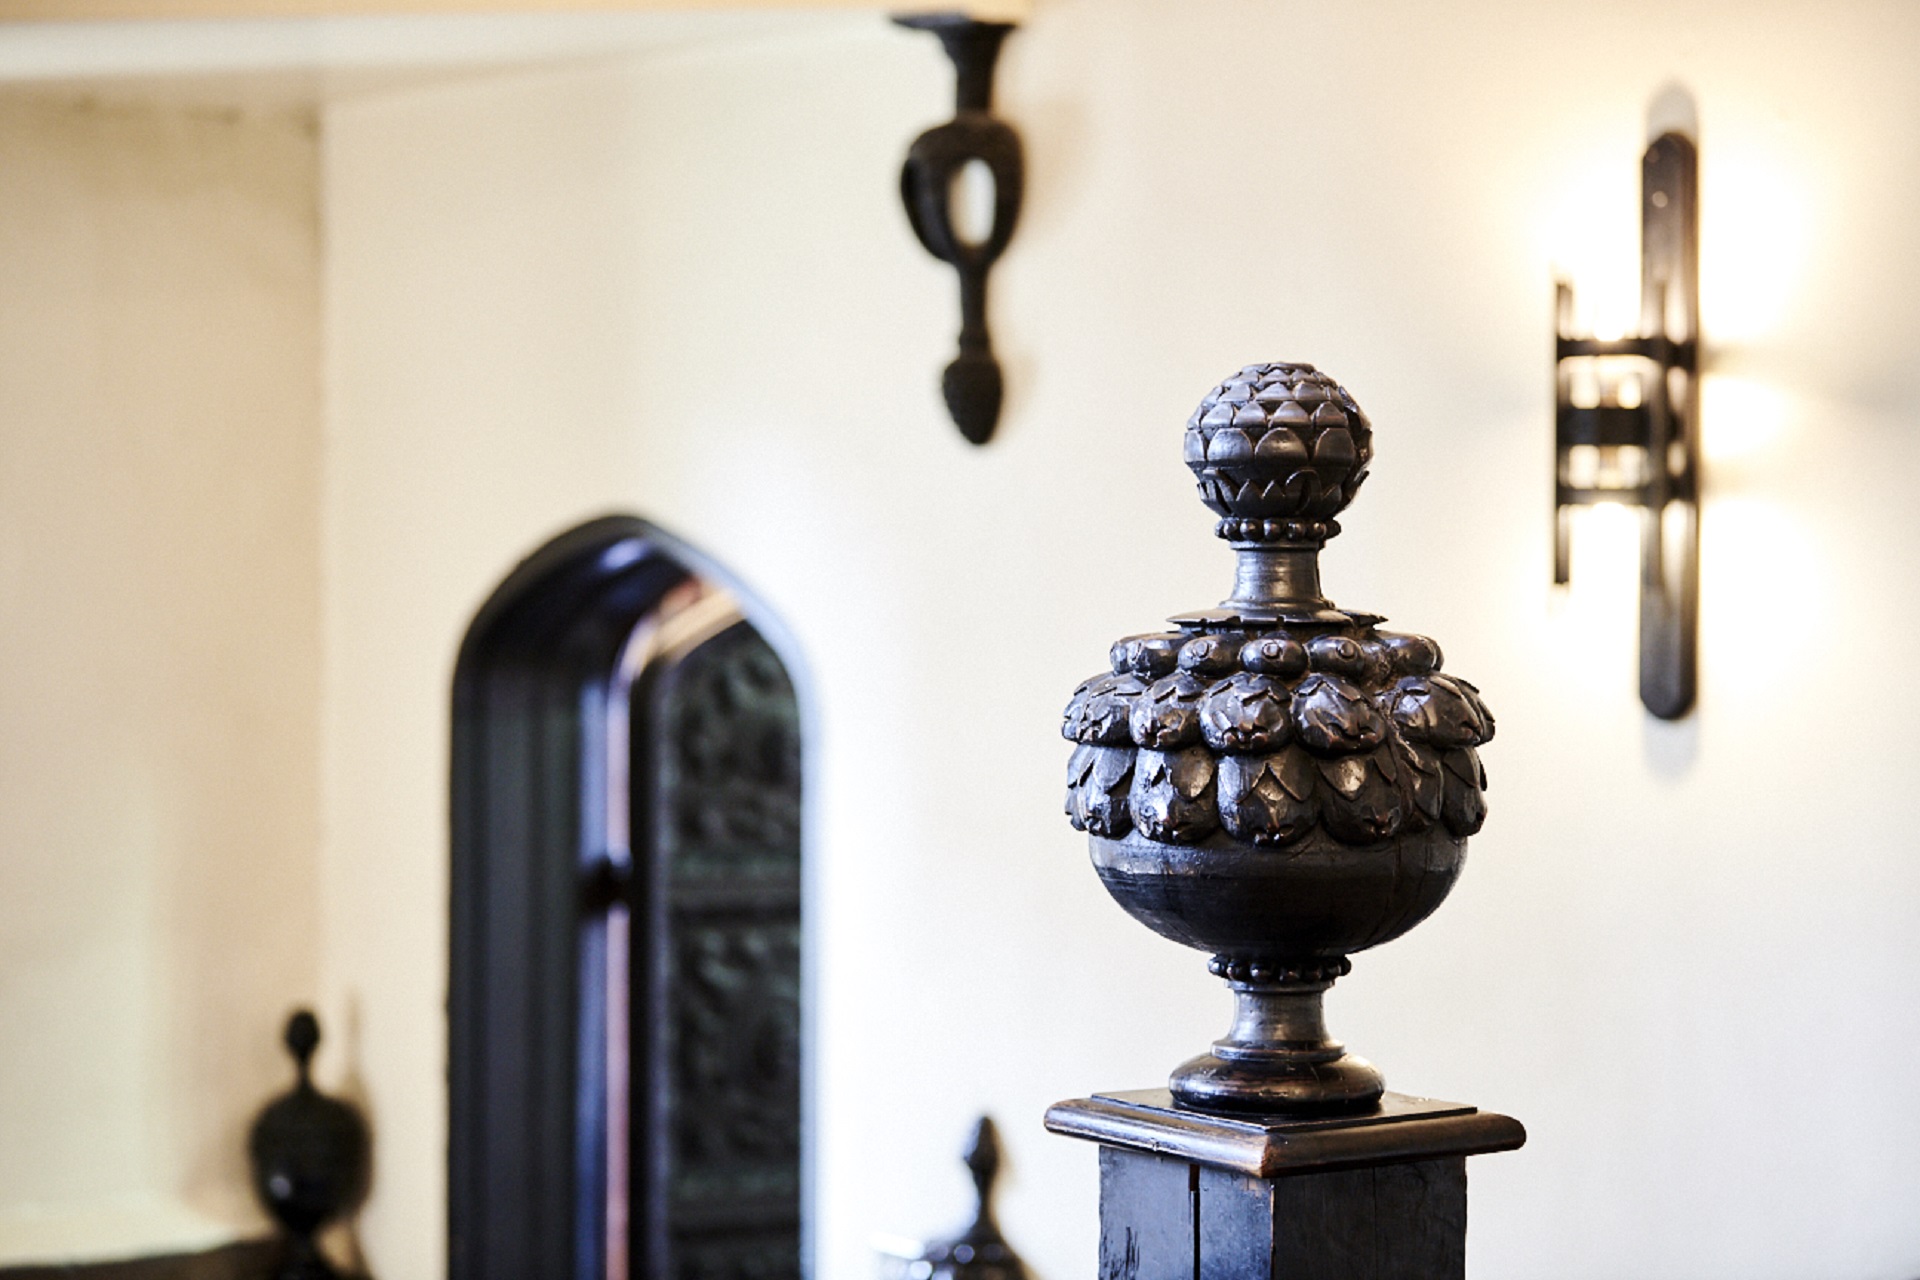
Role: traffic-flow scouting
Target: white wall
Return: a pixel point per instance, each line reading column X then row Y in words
column 1683, row 955
column 159, row 563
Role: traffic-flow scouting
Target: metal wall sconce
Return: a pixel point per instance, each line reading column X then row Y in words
column 1627, row 425
column 972, row 384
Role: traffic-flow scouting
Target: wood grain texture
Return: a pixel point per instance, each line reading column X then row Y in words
column 1402, row 1128
column 1390, row 1222
column 1167, row 1219
column 1147, row 1223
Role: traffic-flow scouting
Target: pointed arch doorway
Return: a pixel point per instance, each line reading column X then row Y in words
column 625, row 998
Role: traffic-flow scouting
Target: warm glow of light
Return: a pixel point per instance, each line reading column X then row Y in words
column 1595, row 618
column 1611, row 534
column 1593, row 243
column 1739, row 417
column 1754, row 218
column 1753, row 555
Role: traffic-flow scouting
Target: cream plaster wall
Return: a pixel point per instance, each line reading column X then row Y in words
column 159, row 660
column 1684, row 955
column 679, row 285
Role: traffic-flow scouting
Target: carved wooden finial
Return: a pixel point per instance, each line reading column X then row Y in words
column 1277, row 781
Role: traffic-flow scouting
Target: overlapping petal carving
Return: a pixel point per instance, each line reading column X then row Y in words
column 1275, row 725
column 1334, row 717
column 1172, row 800
column 1268, row 800
column 1273, row 733
column 1098, row 780
column 1167, row 716
column 1464, row 808
column 1101, row 708
column 1248, row 712
column 1278, row 445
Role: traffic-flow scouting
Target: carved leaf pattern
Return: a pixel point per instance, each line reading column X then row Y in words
column 1432, row 709
column 1248, row 713
column 1268, row 800
column 1424, row 778
column 1278, row 441
column 1079, row 768
column 1334, row 717
column 1277, row 715
column 1100, row 709
column 1472, row 695
column 1366, row 804
column 1465, row 806
column 1172, row 797
column 1168, row 717
column 1098, row 781
column 1274, row 734
column 1147, row 656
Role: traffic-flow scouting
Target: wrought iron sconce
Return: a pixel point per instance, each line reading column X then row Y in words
column 972, row 384
column 1627, row 425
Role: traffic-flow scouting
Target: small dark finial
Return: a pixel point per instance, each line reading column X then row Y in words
column 983, row 1159
column 310, row 1156
column 980, row 1252
column 302, row 1038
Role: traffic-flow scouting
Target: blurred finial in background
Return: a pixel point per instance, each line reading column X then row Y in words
column 310, row 1156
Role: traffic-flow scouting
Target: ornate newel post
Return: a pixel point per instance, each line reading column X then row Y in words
column 1281, row 783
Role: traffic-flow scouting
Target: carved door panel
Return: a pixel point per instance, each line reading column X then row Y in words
column 715, row 957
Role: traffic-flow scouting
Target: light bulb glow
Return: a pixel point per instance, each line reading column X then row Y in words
column 1739, row 417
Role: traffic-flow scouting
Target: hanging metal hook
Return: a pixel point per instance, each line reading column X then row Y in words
column 972, row 384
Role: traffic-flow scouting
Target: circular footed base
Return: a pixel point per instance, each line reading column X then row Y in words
column 1271, row 1085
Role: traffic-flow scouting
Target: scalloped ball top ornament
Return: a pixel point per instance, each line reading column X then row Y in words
column 1276, row 717
column 1279, row 450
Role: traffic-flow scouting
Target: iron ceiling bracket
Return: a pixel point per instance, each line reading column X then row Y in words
column 1626, row 415
column 972, row 384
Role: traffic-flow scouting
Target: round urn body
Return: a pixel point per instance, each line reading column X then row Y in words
column 1315, row 899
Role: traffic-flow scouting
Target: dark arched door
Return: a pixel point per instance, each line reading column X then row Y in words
column 626, row 946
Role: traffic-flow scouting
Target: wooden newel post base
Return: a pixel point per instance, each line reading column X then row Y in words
column 1189, row 1195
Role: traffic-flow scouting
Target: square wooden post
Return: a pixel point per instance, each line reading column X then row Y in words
column 1186, row 1195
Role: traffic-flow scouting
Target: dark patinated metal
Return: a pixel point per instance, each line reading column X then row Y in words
column 310, row 1159
column 1277, row 780
column 1626, row 425
column 972, row 384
